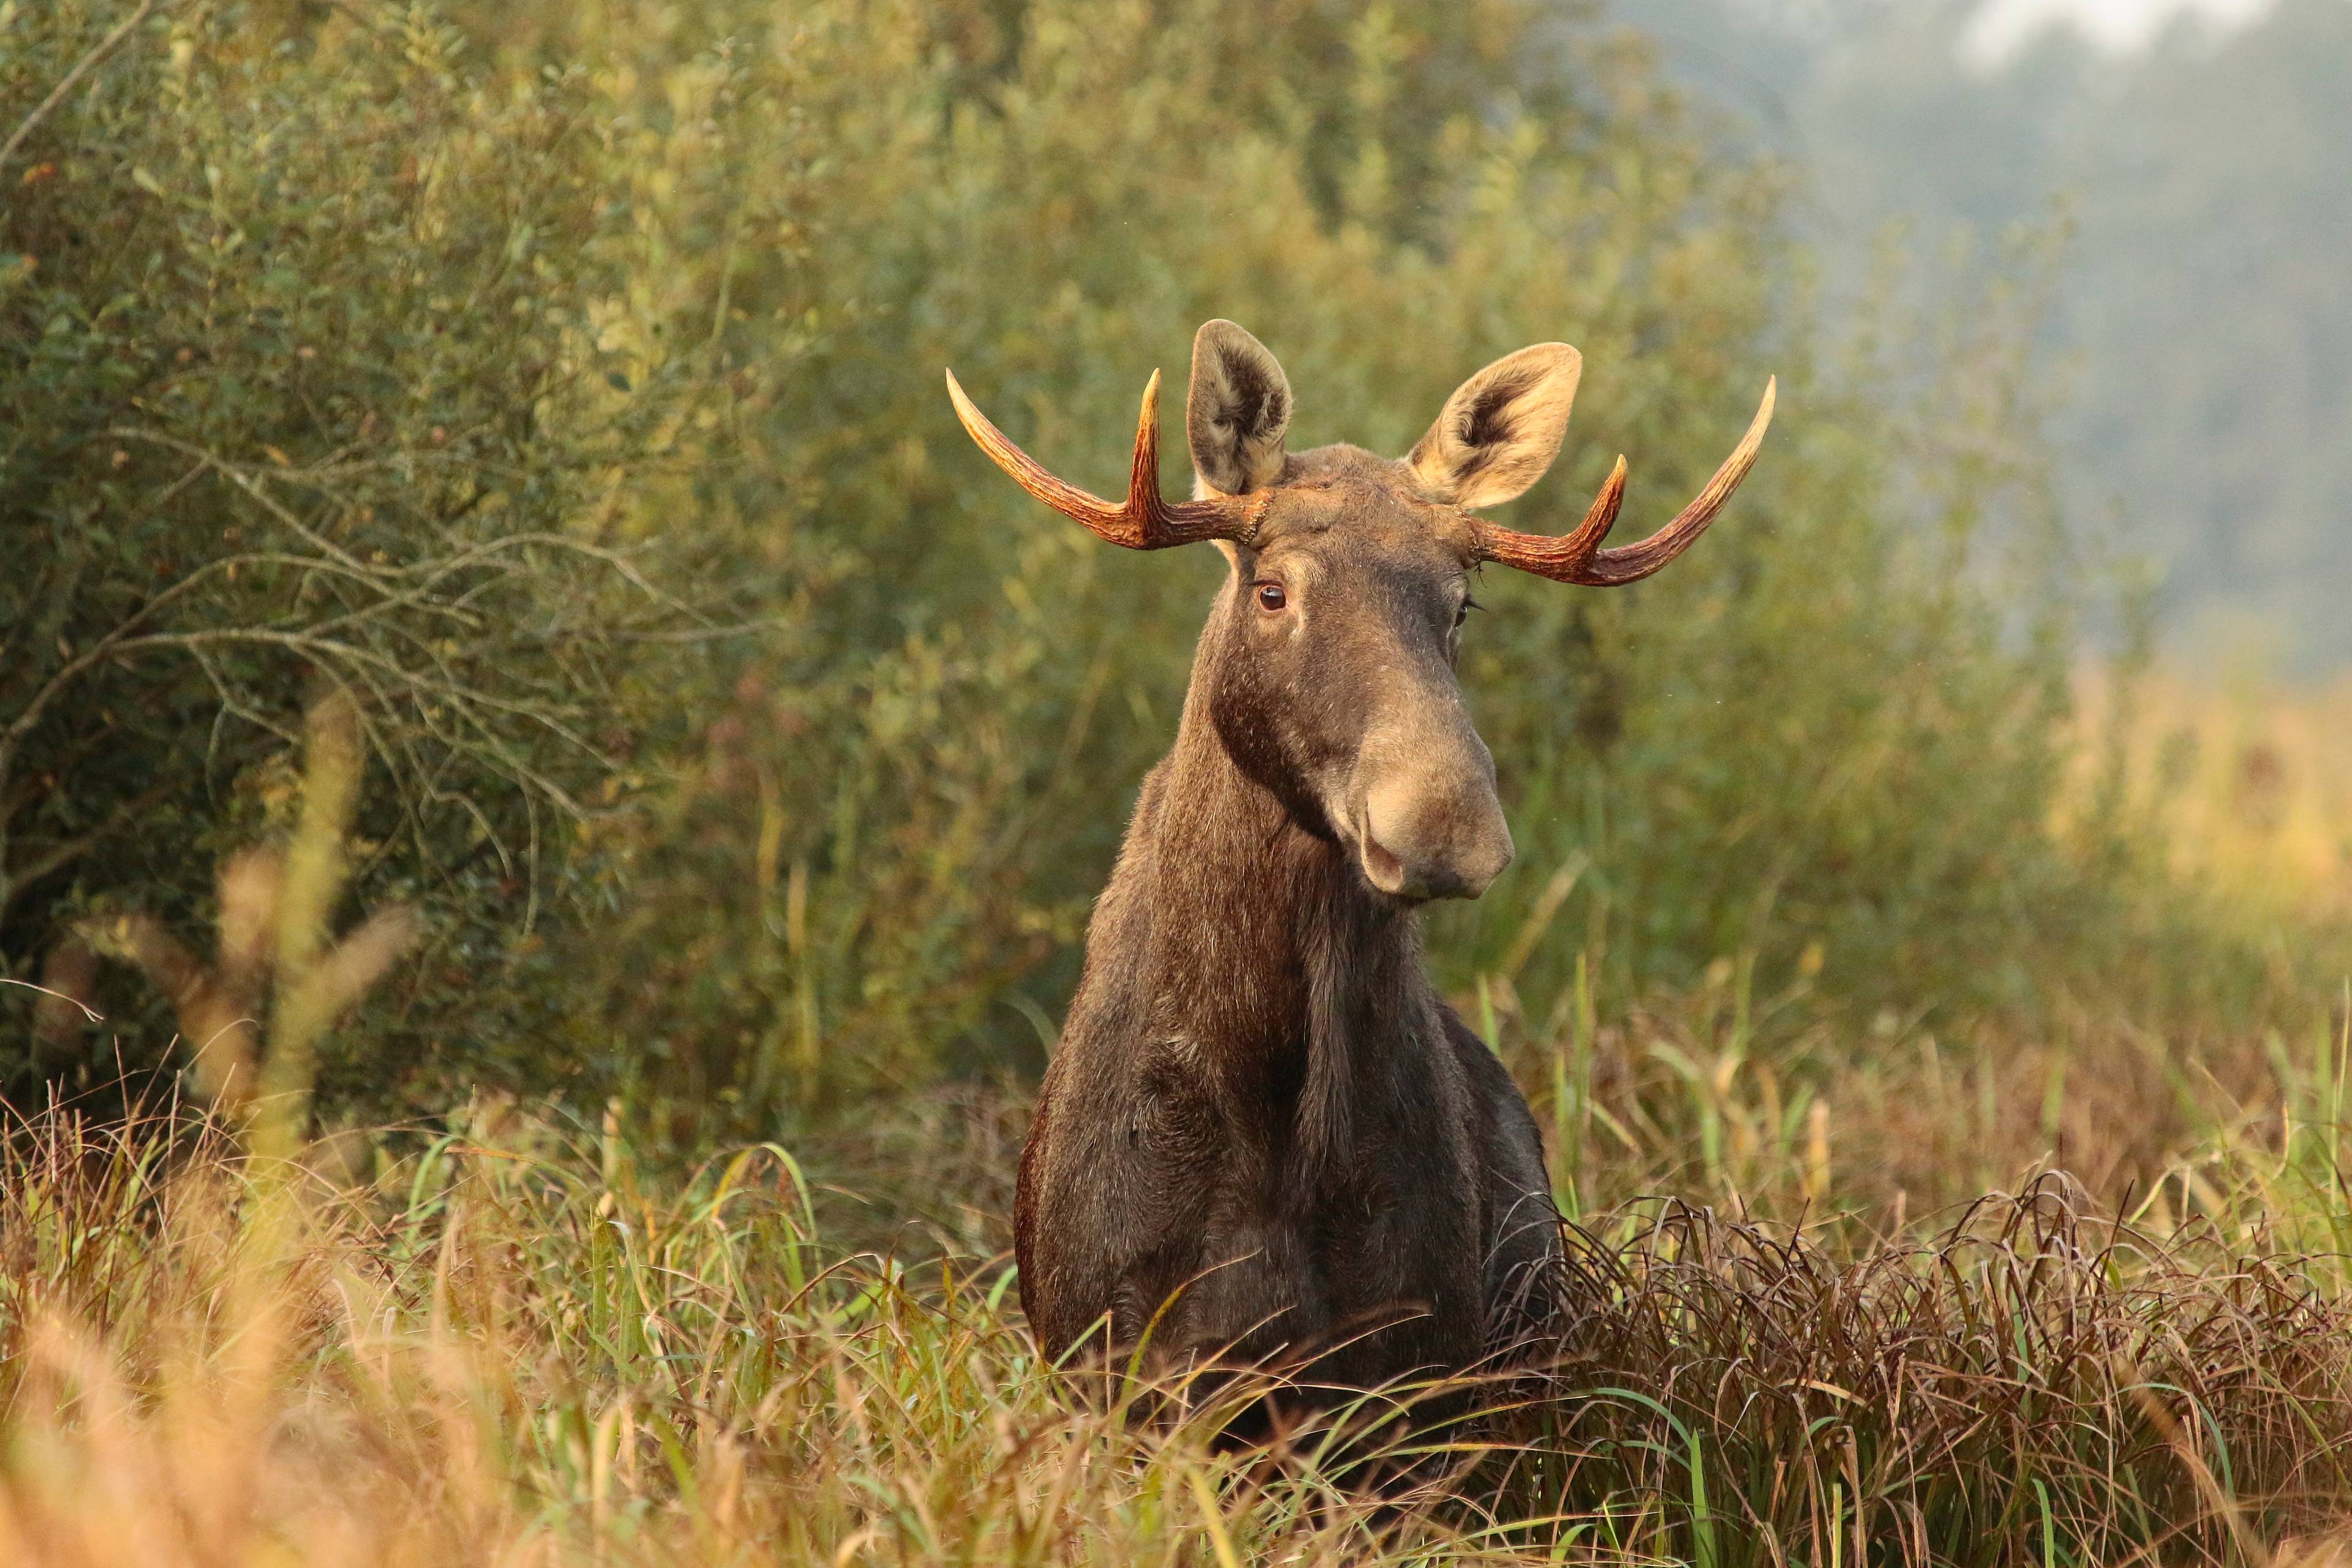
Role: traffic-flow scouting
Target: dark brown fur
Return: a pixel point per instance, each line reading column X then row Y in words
column 1263, row 1139
column 1262, row 1126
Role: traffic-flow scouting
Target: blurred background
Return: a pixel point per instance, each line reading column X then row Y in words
column 2188, row 155
column 561, row 383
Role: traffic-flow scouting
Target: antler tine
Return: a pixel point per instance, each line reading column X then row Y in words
column 1610, row 568
column 1564, row 558
column 1145, row 519
column 1577, row 557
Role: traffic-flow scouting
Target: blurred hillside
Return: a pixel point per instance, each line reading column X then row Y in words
column 2201, row 331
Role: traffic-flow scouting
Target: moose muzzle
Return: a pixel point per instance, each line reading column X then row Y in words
column 1424, row 815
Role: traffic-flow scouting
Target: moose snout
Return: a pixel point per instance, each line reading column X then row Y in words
column 1424, row 837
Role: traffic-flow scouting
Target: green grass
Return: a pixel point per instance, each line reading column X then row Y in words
column 507, row 1342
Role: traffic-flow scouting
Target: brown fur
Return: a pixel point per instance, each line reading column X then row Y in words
column 1262, row 1128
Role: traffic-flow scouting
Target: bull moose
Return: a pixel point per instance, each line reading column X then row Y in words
column 1263, row 1139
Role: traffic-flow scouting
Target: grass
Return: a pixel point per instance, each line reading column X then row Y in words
column 507, row 1338
column 505, row 1342
column 2252, row 782
column 2030, row 1385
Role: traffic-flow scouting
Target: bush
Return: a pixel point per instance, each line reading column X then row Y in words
column 1833, row 740
column 321, row 368
column 621, row 278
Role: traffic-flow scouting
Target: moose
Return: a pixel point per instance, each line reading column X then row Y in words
column 1263, row 1139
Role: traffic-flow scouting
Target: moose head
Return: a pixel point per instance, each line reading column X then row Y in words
column 1327, row 664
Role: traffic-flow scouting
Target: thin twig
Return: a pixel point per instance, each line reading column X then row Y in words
column 57, row 94
column 94, row 1017
column 247, row 483
column 69, row 850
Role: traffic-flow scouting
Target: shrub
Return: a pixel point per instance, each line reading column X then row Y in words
column 1833, row 740
column 320, row 369
column 562, row 297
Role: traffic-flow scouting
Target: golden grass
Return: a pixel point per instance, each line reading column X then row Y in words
column 505, row 1342
column 2249, row 780
column 508, row 1340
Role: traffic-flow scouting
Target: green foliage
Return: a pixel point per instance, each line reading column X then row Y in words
column 1838, row 728
column 318, row 370
column 929, row 788
column 630, row 278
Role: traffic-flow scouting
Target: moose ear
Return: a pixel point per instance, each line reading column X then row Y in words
column 1501, row 428
column 1236, row 410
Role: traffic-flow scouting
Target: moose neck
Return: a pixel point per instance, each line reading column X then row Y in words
column 1271, row 955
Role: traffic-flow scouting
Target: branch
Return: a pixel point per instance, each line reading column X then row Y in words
column 66, row 851
column 57, row 94
column 98, row 652
column 247, row 483
column 465, row 702
column 335, row 561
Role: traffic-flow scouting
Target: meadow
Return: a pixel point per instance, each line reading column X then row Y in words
column 508, row 1337
column 549, row 801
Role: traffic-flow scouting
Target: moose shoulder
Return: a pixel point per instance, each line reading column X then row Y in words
column 1264, row 1139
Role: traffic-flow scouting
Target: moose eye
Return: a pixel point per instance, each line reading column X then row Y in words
column 1463, row 613
column 1270, row 597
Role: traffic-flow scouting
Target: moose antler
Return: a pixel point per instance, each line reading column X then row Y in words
column 1144, row 521
column 1577, row 557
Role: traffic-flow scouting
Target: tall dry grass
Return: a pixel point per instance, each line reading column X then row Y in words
column 508, row 1343
column 224, row 1340
column 2249, row 780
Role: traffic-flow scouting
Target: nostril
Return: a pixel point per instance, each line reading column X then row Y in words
column 1416, row 844
column 1386, row 872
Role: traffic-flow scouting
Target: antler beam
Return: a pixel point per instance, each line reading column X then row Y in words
column 1145, row 519
column 1576, row 556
